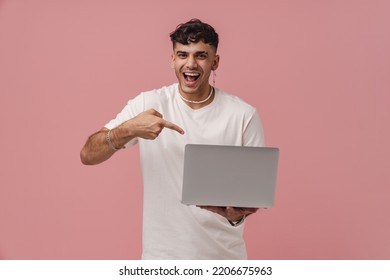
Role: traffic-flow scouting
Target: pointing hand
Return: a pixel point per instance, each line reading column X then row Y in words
column 149, row 124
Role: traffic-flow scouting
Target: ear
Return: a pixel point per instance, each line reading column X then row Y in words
column 215, row 63
column 172, row 61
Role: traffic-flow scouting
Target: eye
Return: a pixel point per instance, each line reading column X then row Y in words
column 181, row 55
column 202, row 56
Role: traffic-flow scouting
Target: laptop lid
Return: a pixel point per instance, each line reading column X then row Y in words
column 229, row 176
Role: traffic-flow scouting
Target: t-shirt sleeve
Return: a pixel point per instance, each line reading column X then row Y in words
column 133, row 108
column 253, row 133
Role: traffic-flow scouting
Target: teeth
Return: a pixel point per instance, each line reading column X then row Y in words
column 192, row 74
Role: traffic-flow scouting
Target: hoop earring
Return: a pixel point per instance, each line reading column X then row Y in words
column 214, row 75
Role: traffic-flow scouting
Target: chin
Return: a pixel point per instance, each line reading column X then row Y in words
column 186, row 89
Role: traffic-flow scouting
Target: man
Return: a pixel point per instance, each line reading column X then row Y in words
column 194, row 112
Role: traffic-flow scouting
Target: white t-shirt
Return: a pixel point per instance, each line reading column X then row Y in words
column 172, row 230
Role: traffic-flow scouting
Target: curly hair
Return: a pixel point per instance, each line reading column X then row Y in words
column 194, row 31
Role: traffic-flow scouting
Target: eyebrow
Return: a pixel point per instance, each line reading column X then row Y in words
column 202, row 52
column 197, row 53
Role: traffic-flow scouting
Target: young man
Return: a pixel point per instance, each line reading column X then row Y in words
column 194, row 112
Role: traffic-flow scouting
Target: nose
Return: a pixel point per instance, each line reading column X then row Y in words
column 191, row 62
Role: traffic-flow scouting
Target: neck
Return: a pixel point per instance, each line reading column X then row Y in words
column 196, row 104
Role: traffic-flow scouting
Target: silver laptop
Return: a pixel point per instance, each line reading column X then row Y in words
column 230, row 176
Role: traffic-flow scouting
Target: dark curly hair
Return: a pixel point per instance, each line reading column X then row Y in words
column 194, row 31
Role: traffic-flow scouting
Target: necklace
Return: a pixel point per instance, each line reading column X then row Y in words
column 200, row 101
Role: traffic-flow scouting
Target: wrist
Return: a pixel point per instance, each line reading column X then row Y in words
column 110, row 141
column 128, row 130
column 238, row 222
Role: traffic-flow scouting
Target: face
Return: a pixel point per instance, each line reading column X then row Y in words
column 193, row 64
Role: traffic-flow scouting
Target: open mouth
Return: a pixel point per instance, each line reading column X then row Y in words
column 191, row 77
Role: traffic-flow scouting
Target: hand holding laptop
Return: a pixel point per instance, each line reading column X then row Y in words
column 231, row 213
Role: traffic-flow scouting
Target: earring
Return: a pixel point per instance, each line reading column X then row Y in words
column 214, row 75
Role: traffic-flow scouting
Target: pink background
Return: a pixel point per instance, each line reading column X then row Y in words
column 318, row 72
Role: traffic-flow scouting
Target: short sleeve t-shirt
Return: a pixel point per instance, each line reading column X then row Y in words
column 172, row 230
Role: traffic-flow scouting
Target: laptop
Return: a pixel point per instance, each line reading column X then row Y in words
column 235, row 176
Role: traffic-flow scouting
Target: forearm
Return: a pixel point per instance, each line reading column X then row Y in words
column 97, row 149
column 146, row 125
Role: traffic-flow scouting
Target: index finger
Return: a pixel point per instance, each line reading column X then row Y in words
column 173, row 126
